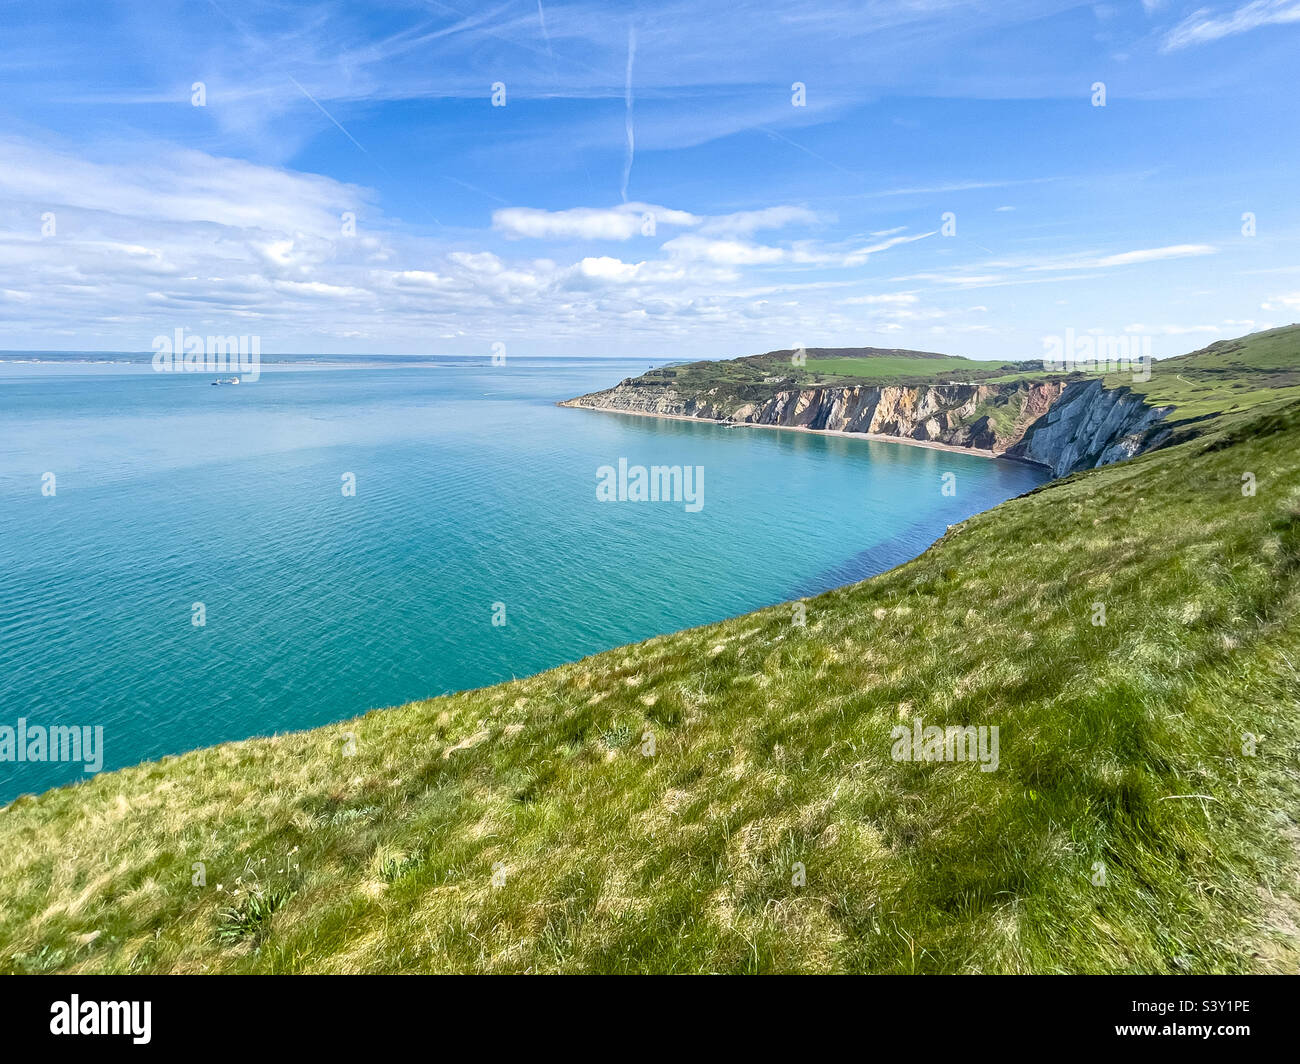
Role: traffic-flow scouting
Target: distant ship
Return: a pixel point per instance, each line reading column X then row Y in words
column 233, row 380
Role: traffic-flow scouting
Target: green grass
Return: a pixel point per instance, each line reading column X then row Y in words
column 523, row 828
column 761, row 374
column 1228, row 376
column 891, row 370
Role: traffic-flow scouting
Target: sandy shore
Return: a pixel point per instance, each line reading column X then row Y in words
column 877, row 436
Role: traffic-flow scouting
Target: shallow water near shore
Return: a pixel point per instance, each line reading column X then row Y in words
column 472, row 490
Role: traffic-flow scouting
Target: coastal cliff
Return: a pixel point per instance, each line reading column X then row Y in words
column 1090, row 425
column 1064, row 425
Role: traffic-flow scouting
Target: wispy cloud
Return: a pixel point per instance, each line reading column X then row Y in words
column 1202, row 26
column 627, row 119
column 893, row 241
column 742, row 223
column 1129, row 258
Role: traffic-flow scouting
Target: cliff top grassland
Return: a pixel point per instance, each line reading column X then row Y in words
column 1133, row 632
column 765, row 373
column 1230, row 375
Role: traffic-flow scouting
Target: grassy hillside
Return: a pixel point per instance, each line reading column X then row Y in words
column 524, row 828
column 833, row 366
column 1230, row 375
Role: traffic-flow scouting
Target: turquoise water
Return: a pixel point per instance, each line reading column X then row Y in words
column 472, row 488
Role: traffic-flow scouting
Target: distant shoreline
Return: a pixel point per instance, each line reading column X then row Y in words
column 879, row 437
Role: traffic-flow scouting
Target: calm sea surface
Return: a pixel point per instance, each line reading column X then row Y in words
column 472, row 488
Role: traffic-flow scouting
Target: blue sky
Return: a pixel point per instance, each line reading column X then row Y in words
column 650, row 186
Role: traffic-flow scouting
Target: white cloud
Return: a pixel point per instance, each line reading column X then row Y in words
column 477, row 262
column 1290, row 301
column 725, row 252
column 883, row 299
column 418, row 278
column 959, row 279
column 142, row 249
column 628, row 220
column 893, row 241
column 742, row 223
column 1174, row 330
column 605, row 268
column 165, row 183
column 320, row 288
column 587, row 223
column 1201, row 26
column 1129, row 258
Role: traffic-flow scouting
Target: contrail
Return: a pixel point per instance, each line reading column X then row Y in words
column 627, row 96
column 541, row 17
column 325, row 112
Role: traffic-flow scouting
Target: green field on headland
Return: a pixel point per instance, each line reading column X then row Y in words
column 834, row 366
column 727, row 799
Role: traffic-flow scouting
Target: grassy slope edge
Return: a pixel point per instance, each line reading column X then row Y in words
column 773, row 747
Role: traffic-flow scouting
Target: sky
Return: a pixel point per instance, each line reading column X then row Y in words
column 670, row 180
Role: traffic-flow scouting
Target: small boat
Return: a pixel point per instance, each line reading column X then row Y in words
column 233, row 380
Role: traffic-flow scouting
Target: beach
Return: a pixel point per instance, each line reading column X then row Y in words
column 878, row 437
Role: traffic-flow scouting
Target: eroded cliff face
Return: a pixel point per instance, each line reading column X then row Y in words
column 1065, row 426
column 1089, row 426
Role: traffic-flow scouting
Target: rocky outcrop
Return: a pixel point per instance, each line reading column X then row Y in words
column 943, row 413
column 1065, row 426
column 1090, row 425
